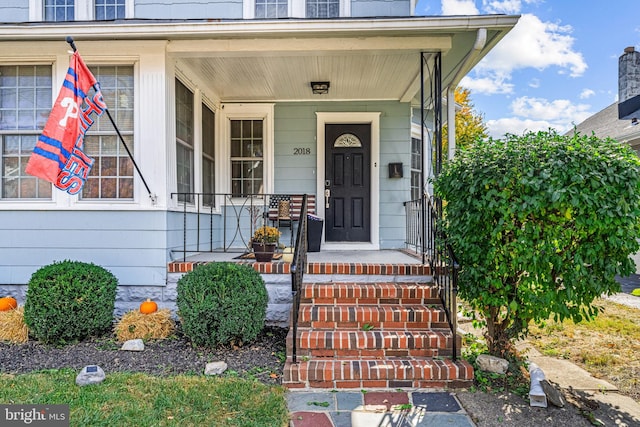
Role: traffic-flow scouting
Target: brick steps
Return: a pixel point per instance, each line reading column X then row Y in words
column 374, row 344
column 410, row 373
column 383, row 316
column 373, row 335
column 371, row 293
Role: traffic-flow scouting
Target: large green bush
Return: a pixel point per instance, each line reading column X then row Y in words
column 221, row 303
column 69, row 301
column 541, row 223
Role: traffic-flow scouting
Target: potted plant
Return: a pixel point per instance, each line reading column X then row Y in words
column 264, row 242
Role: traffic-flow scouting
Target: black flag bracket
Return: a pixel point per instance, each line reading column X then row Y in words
column 153, row 197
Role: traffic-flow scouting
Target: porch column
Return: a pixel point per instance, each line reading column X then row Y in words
column 451, row 122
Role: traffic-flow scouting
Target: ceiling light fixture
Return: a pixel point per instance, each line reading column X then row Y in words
column 320, row 88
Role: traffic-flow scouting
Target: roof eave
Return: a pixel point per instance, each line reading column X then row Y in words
column 141, row 29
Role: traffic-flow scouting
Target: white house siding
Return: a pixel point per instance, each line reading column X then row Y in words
column 132, row 245
column 14, row 11
column 188, row 9
column 366, row 8
column 295, row 128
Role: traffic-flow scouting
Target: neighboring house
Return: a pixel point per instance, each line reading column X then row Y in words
column 606, row 123
column 216, row 97
column 619, row 120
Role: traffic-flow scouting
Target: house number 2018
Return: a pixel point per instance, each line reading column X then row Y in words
column 301, row 151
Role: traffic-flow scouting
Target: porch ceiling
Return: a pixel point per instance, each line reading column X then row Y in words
column 352, row 75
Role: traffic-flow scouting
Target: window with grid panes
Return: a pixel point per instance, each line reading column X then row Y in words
column 25, row 103
column 109, row 9
column 272, row 9
column 323, row 8
column 59, row 10
column 208, row 157
column 416, row 168
column 246, row 157
column 184, row 141
column 111, row 176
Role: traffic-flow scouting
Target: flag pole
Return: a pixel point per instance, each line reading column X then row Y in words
column 151, row 196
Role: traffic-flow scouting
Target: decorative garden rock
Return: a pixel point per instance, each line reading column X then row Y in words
column 215, row 368
column 494, row 364
column 133, row 345
column 91, row 374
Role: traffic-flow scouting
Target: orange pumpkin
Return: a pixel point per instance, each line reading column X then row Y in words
column 8, row 303
column 148, row 307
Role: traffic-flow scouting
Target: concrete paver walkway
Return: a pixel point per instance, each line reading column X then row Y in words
column 376, row 408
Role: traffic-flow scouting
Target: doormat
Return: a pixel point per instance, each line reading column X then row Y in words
column 251, row 255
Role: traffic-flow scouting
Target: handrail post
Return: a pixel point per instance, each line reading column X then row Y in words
column 297, row 273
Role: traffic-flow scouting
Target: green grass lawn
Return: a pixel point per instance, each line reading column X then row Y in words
column 134, row 399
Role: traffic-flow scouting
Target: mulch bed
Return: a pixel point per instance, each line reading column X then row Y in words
column 261, row 359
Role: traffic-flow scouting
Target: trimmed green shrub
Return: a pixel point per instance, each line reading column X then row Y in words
column 68, row 301
column 542, row 224
column 222, row 303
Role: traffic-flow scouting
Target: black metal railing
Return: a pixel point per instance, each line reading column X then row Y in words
column 223, row 222
column 425, row 236
column 414, row 241
column 298, row 267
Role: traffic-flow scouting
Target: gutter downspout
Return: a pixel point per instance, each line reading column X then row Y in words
column 481, row 41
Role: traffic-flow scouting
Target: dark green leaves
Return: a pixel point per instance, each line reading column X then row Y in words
column 541, row 223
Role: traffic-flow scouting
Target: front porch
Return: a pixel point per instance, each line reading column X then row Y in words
column 360, row 319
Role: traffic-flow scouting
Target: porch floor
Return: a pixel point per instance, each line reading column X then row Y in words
column 384, row 256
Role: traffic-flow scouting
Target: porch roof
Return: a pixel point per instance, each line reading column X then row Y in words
column 275, row 60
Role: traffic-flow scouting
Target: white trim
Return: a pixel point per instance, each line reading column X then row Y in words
column 248, row 9
column 36, row 10
column 230, row 111
column 372, row 118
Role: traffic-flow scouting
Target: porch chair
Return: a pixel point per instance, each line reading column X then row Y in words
column 284, row 216
column 278, row 210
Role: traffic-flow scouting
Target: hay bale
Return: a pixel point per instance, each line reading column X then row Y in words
column 12, row 326
column 154, row 326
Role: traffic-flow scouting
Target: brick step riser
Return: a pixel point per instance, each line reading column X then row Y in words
column 371, row 354
column 343, row 340
column 380, row 384
column 327, row 317
column 365, row 301
column 369, row 374
column 383, row 326
column 370, row 293
column 317, row 340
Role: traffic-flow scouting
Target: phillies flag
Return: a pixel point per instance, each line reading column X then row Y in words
column 58, row 156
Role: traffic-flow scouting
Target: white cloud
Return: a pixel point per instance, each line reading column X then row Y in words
column 534, row 83
column 586, row 93
column 540, row 108
column 510, row 7
column 459, row 7
column 535, row 114
column 498, row 128
column 489, row 85
column 537, row 44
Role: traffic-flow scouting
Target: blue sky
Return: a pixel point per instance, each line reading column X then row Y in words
column 557, row 67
